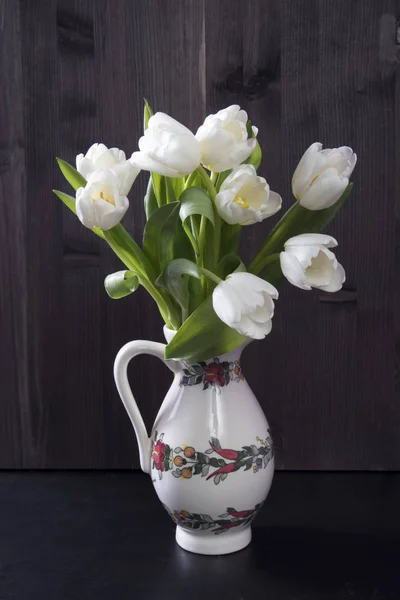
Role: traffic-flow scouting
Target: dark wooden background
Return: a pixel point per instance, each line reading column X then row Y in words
column 74, row 72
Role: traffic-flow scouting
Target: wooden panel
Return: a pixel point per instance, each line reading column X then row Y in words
column 15, row 431
column 75, row 72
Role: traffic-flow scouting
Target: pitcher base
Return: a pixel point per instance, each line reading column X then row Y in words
column 226, row 543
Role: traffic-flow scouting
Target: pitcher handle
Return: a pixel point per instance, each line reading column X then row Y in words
column 122, row 360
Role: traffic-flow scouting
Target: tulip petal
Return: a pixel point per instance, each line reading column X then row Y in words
column 256, row 331
column 312, row 239
column 162, row 119
column 321, row 269
column 337, row 281
column 274, row 204
column 325, row 191
column 303, row 173
column 293, row 271
column 144, row 162
column 126, row 173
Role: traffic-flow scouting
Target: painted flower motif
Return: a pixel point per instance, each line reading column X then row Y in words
column 159, row 455
column 214, row 373
column 215, row 463
column 231, row 518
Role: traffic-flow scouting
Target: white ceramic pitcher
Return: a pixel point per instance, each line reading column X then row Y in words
column 210, row 454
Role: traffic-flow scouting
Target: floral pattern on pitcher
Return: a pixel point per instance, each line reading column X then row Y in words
column 215, row 374
column 225, row 522
column 185, row 462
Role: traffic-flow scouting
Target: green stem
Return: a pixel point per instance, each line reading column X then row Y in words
column 267, row 260
column 214, row 176
column 132, row 256
column 190, row 180
column 277, row 237
column 207, row 182
column 211, row 275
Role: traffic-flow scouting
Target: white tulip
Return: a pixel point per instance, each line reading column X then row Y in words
column 223, row 139
column 100, row 203
column 245, row 198
column 99, row 157
column 322, row 175
column 245, row 302
column 307, row 263
column 167, row 148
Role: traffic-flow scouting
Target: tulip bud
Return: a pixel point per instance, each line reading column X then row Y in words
column 322, row 176
column 99, row 157
column 245, row 302
column 224, row 139
column 307, row 263
column 99, row 203
column 167, row 148
column 245, row 198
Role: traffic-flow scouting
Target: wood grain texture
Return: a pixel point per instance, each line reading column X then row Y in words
column 75, row 72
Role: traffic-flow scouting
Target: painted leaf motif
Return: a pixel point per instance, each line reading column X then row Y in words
column 214, row 462
column 201, row 457
column 249, row 464
column 215, row 442
column 209, row 451
column 217, row 479
column 205, row 469
column 175, row 474
column 221, row 462
column 197, row 469
column 177, row 450
column 254, row 450
column 207, row 518
column 224, row 476
column 248, row 449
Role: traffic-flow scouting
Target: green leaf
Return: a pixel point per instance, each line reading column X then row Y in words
column 178, row 184
column 121, row 284
column 195, row 201
column 295, row 221
column 75, row 179
column 203, row 336
column 68, row 200
column 147, row 114
column 231, row 263
column 256, row 156
column 160, row 188
column 174, row 281
column 150, row 200
column 158, row 236
column 230, row 237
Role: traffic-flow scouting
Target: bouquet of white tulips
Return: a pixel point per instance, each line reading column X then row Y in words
column 202, row 190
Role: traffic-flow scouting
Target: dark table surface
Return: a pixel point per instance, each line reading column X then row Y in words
column 102, row 535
